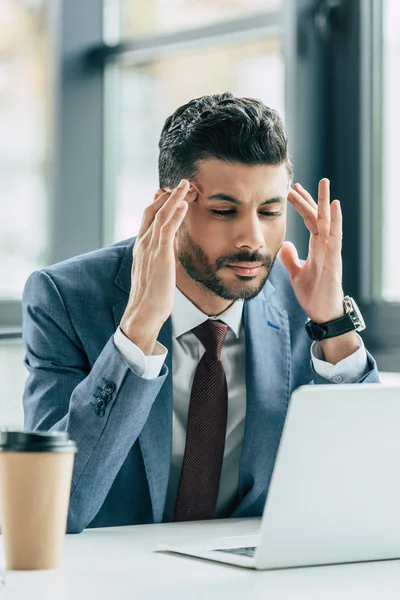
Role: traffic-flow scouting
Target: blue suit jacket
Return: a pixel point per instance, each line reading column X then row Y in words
column 70, row 313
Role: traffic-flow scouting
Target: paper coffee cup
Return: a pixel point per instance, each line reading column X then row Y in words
column 35, row 483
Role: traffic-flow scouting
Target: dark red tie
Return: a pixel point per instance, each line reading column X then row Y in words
column 206, row 429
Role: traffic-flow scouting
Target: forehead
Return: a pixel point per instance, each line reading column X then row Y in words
column 241, row 180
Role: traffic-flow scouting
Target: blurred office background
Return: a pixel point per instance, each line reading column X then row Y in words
column 85, row 86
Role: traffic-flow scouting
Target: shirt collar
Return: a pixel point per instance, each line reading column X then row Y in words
column 186, row 316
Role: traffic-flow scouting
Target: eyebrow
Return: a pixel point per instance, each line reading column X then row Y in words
column 229, row 198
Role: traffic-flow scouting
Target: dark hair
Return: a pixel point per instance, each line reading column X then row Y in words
column 237, row 130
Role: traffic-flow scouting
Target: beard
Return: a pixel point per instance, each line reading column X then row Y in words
column 198, row 266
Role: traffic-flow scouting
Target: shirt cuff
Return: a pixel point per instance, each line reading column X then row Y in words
column 348, row 370
column 148, row 367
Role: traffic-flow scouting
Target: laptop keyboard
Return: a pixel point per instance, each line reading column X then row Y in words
column 249, row 551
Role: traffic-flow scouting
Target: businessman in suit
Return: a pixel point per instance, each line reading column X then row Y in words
column 170, row 358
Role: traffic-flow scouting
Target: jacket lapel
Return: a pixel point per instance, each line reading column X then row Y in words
column 268, row 365
column 156, row 436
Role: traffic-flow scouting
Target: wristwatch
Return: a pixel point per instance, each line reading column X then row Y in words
column 351, row 321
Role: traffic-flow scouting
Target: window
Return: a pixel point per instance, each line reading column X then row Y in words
column 25, row 107
column 330, row 68
column 139, row 17
column 238, row 55
column 151, row 92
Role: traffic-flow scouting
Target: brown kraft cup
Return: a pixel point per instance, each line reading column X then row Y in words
column 35, row 483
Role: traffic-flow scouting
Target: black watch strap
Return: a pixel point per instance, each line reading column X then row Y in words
column 324, row 331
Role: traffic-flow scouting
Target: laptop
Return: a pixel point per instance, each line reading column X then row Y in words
column 334, row 495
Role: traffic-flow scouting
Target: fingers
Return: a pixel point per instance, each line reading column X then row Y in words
column 324, row 212
column 308, row 213
column 299, row 188
column 169, row 207
column 336, row 224
column 168, row 198
column 191, row 195
column 150, row 212
column 170, row 216
column 170, row 226
column 317, row 217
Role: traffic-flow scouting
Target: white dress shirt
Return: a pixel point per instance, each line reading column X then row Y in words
column 187, row 351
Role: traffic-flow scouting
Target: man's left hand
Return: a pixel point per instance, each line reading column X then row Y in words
column 318, row 282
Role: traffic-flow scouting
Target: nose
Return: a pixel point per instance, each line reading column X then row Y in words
column 249, row 234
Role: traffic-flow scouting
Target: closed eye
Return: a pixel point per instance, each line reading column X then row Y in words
column 230, row 213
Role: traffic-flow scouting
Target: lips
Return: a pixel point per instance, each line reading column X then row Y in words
column 246, row 265
column 246, row 269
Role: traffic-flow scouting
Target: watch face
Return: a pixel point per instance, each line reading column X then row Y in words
column 354, row 313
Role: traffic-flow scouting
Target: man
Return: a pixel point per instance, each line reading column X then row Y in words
column 173, row 371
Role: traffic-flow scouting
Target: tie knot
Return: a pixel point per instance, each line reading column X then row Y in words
column 212, row 335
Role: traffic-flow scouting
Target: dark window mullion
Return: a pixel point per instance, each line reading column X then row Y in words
column 77, row 188
column 356, row 89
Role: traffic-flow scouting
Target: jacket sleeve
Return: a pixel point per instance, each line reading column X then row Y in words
column 59, row 396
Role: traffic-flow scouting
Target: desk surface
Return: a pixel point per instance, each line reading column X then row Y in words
column 120, row 563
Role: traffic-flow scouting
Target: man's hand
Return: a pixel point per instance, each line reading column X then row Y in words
column 153, row 277
column 318, row 283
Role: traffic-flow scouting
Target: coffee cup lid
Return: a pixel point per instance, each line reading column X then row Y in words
column 35, row 441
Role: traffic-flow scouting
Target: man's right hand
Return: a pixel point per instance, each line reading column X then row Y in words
column 153, row 276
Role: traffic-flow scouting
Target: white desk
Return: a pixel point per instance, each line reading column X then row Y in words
column 120, row 563
column 389, row 378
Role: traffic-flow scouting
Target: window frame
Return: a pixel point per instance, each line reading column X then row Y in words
column 333, row 50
